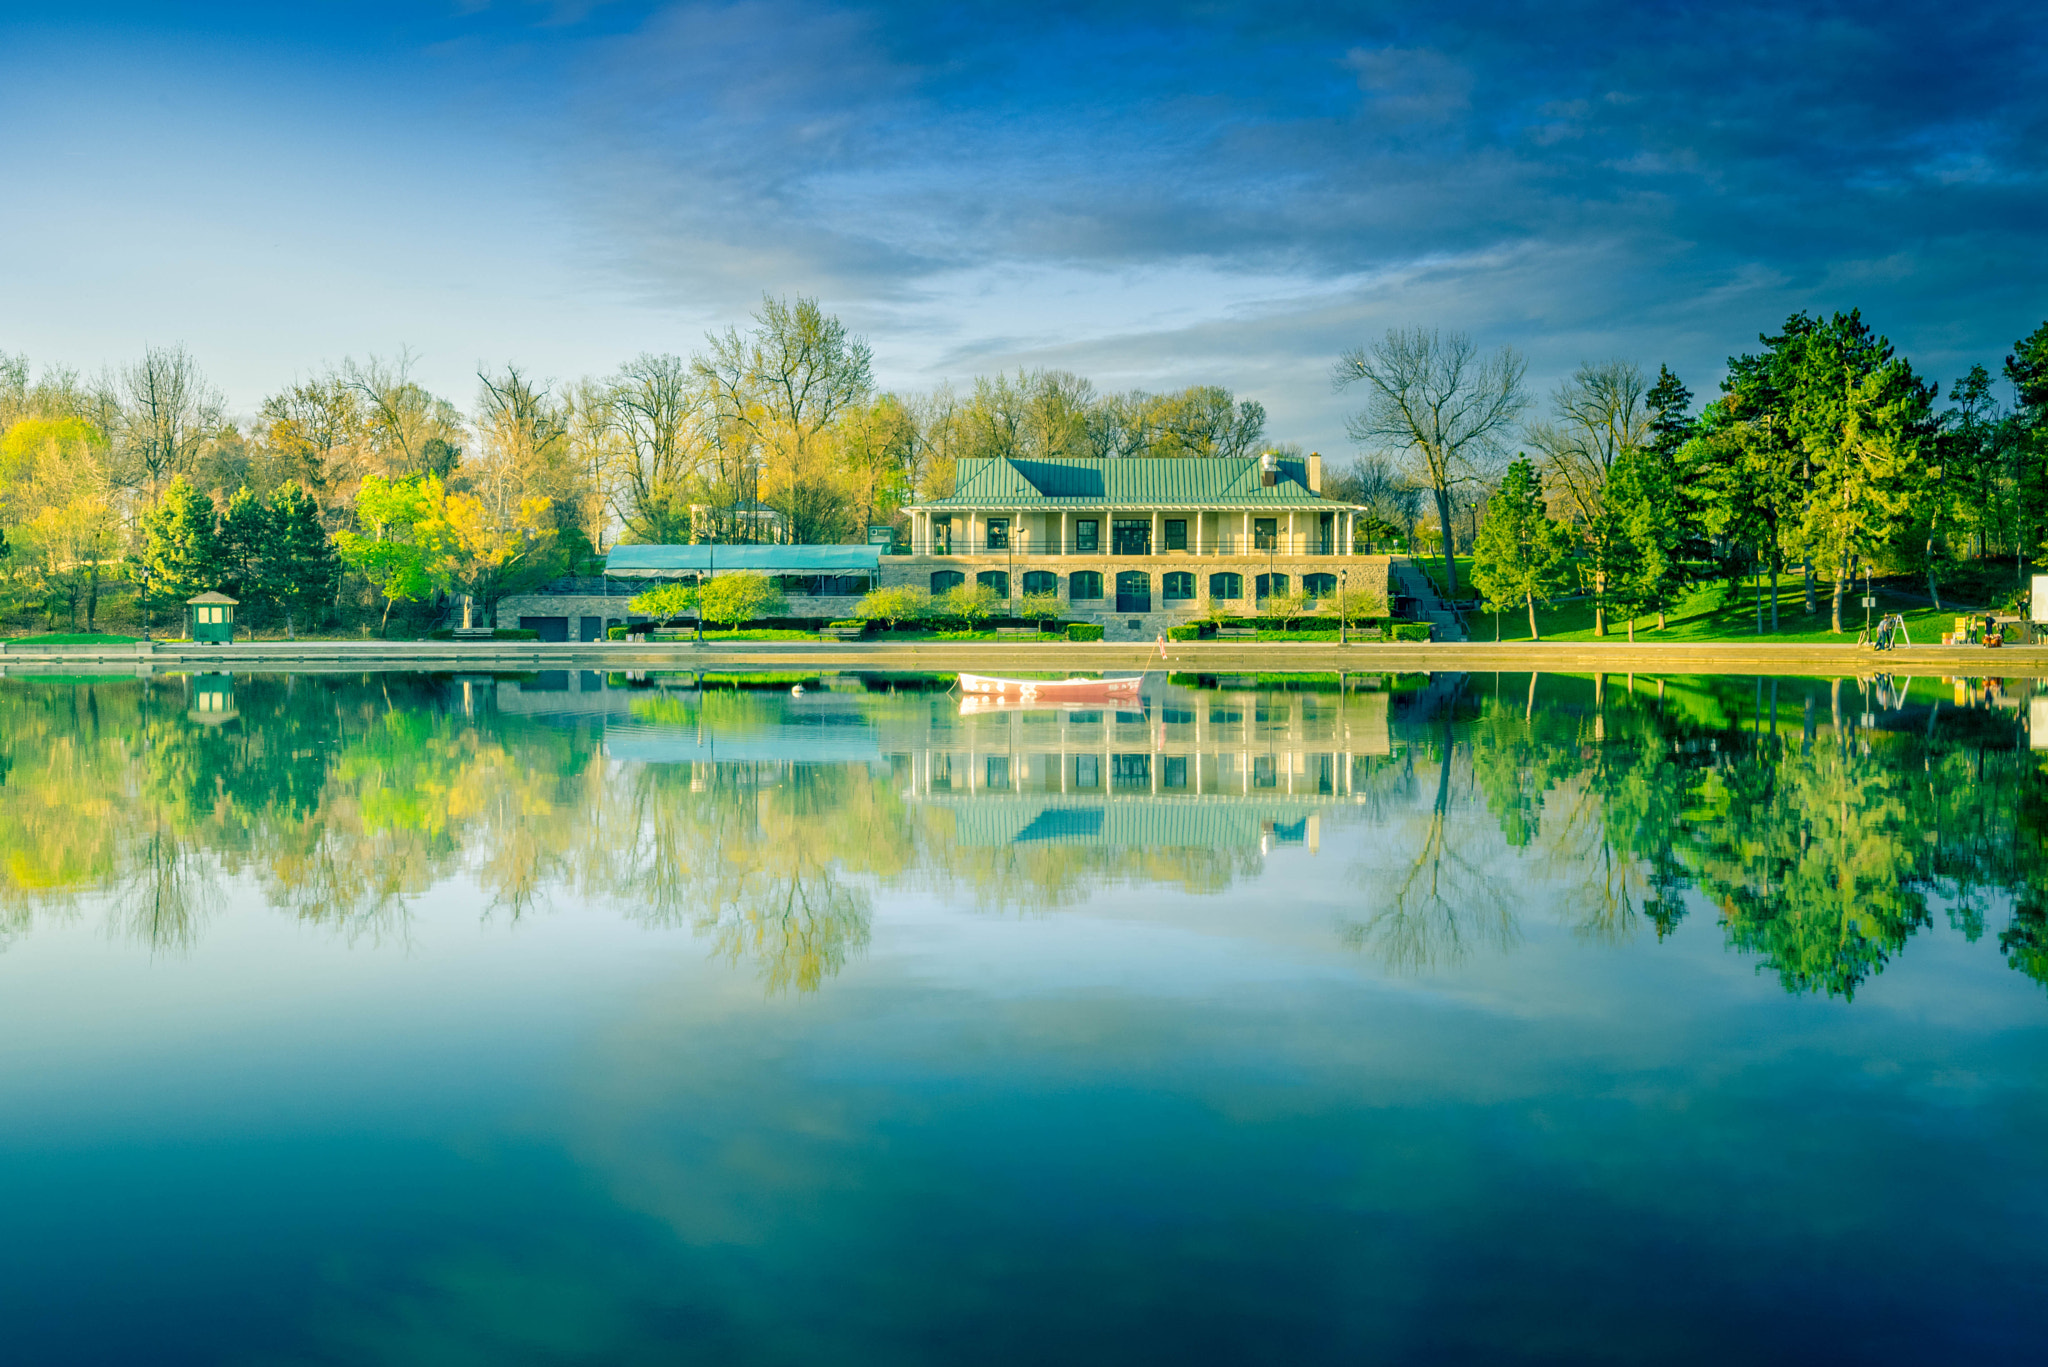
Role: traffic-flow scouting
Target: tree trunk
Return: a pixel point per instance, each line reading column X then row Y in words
column 1933, row 588
column 1631, row 631
column 1535, row 633
column 1443, row 516
column 1841, row 579
column 1806, row 569
column 92, row 598
column 1774, row 595
column 1599, row 602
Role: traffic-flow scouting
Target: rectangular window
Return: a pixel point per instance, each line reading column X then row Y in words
column 1175, row 772
column 1131, row 771
column 1176, row 533
column 942, row 536
column 1131, row 536
column 999, row 533
column 1265, row 533
column 1087, row 535
column 1087, row 771
column 998, row 772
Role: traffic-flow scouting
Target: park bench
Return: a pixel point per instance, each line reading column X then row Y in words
column 672, row 634
column 1017, row 633
column 1237, row 633
column 1367, row 633
column 842, row 633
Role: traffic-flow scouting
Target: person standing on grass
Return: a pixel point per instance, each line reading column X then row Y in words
column 1162, row 645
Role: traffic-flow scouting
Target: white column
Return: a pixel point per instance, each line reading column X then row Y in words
column 1066, row 542
column 1245, row 546
column 1198, row 531
column 1158, row 545
column 1291, row 534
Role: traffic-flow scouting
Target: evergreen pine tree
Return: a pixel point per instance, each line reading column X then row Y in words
column 245, row 532
column 299, row 572
column 2027, row 446
column 1644, row 501
column 1520, row 554
column 180, row 545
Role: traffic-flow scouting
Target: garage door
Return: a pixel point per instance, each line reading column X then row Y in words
column 550, row 628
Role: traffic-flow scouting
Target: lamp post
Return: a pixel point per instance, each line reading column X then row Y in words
column 702, row 583
column 1343, row 608
column 1010, row 580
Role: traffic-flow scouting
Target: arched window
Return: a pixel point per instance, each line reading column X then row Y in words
column 1133, row 591
column 1041, row 581
column 946, row 579
column 1177, row 587
column 1266, row 585
column 1082, row 584
column 998, row 580
column 1319, row 585
column 1226, row 585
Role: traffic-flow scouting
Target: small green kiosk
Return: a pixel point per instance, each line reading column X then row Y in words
column 213, row 618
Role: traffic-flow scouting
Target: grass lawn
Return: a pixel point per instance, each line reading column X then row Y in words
column 73, row 638
column 1705, row 616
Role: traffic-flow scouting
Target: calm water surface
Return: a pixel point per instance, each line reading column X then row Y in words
column 572, row 1018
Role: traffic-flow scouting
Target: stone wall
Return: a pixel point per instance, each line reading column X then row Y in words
column 1363, row 574
column 612, row 607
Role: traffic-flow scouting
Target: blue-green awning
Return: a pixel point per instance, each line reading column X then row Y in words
column 660, row 562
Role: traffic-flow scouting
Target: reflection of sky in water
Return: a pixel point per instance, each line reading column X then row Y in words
column 1151, row 1124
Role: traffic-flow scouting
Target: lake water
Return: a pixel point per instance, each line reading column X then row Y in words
column 569, row 1018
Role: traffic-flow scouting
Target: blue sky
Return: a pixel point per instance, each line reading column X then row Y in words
column 1153, row 195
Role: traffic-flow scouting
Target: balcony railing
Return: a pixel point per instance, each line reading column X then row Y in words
column 1235, row 545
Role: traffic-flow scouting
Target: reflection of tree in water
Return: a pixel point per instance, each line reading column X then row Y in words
column 1446, row 905
column 755, row 855
column 1821, row 852
column 1821, row 845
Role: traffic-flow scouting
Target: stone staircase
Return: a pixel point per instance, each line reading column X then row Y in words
column 1408, row 581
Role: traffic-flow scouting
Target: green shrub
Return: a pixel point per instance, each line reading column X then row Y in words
column 849, row 622
column 615, row 633
column 1084, row 631
column 1190, row 632
column 969, row 603
column 1038, row 608
column 898, row 604
column 666, row 600
column 730, row 599
column 515, row 634
column 1409, row 631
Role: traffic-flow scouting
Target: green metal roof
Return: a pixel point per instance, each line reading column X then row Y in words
column 1146, row 823
column 1129, row 482
column 647, row 562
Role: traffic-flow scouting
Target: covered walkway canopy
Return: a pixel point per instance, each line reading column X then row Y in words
column 671, row 562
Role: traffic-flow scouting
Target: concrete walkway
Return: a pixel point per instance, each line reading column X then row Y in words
column 1207, row 657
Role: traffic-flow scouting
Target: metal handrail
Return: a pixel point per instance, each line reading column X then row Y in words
column 1034, row 548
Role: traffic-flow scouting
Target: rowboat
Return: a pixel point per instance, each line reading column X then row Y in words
column 1051, row 690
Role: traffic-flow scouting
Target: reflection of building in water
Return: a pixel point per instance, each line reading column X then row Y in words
column 213, row 699
column 1183, row 770
column 1179, row 768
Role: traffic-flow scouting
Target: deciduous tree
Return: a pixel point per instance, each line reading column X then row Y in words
column 1432, row 398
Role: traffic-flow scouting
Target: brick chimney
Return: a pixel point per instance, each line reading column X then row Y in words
column 1315, row 472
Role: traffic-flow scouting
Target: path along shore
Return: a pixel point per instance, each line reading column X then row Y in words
column 1204, row 657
